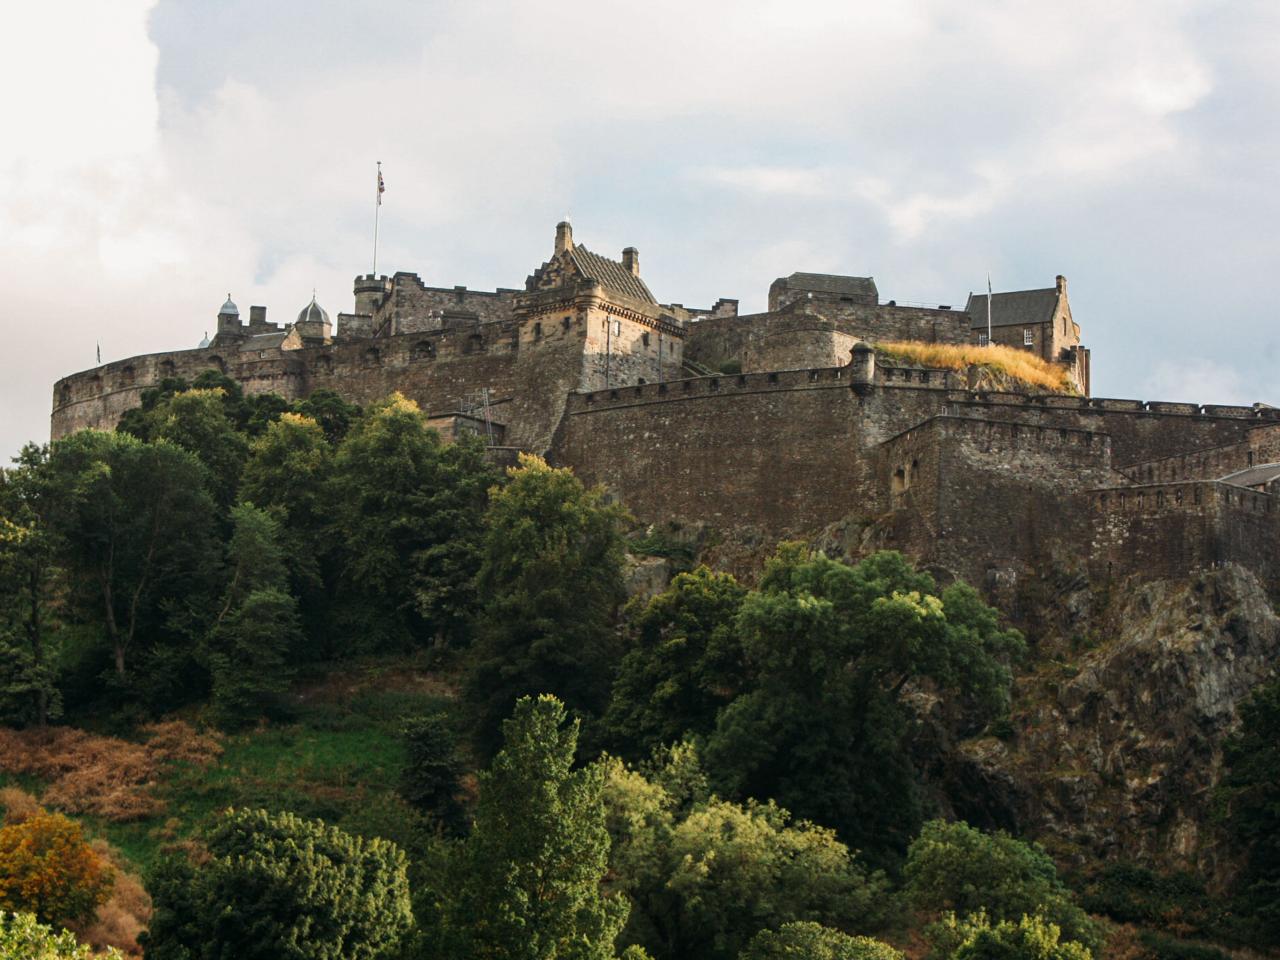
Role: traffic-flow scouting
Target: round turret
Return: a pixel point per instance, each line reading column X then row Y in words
column 229, row 309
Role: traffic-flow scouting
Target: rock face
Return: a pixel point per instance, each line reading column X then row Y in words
column 1118, row 755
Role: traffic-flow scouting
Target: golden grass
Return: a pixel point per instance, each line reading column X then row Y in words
column 105, row 776
column 1003, row 363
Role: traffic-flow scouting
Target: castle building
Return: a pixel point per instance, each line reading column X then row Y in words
column 783, row 423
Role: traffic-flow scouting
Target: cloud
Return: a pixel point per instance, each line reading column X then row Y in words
column 158, row 153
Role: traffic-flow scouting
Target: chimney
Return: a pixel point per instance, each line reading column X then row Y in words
column 631, row 261
column 257, row 316
column 1061, row 284
column 564, row 236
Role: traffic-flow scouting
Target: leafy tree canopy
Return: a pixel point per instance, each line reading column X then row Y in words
column 1026, row 938
column 528, row 878
column 805, row 940
column 48, row 869
column 277, row 887
column 831, row 648
column 23, row 937
column 952, row 866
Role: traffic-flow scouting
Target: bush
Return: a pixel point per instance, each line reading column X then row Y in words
column 433, row 769
column 47, row 868
column 277, row 887
column 952, row 866
column 1027, row 938
column 812, row 941
column 23, row 938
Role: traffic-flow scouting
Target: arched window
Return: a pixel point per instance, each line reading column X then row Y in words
column 475, row 344
column 217, row 363
column 372, row 357
column 167, row 369
column 324, row 363
column 423, row 350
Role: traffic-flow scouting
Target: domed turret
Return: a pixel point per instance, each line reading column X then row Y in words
column 228, row 320
column 229, row 309
column 313, row 312
column 313, row 324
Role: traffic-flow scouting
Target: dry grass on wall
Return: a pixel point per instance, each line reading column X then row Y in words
column 1010, row 362
column 105, row 776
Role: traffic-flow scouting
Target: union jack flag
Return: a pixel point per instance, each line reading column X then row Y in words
column 382, row 188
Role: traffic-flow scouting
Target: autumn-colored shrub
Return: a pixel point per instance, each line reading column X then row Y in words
column 105, row 776
column 124, row 915
column 48, row 869
column 18, row 805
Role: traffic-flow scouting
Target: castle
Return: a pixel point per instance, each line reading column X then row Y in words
column 784, row 423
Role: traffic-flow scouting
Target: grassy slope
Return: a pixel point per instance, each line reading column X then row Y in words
column 339, row 758
column 1003, row 363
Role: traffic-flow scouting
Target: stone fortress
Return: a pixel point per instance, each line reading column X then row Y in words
column 782, row 423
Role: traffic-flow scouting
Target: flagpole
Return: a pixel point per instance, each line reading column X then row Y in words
column 988, row 308
column 377, row 209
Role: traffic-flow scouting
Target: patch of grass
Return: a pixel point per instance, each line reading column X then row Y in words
column 1008, row 362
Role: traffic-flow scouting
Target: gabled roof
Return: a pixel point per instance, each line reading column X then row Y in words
column 610, row 274
column 860, row 288
column 1014, row 309
column 263, row 341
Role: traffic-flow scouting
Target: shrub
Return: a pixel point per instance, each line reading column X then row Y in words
column 812, row 941
column 121, row 919
column 277, row 887
column 952, row 866
column 1027, row 938
column 433, row 769
column 23, row 938
column 1005, row 362
column 48, row 869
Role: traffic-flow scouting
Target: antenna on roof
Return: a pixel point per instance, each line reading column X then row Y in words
column 988, row 308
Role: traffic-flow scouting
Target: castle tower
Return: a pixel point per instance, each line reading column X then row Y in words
column 313, row 325
column 228, row 322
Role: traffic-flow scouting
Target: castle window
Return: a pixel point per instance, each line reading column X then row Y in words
column 167, row 368
column 127, row 376
column 983, row 340
column 475, row 344
column 423, row 350
column 324, row 364
column 64, row 395
column 1028, row 337
column 218, row 363
column 372, row 358
column 644, row 339
column 537, row 331
column 567, row 322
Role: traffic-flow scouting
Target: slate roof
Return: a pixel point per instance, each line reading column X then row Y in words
column 1254, row 476
column 862, row 289
column 1019, row 308
column 610, row 274
column 263, row 341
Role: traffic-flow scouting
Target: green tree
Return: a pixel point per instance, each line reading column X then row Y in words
column 952, row 866
column 22, row 937
column 529, row 875
column 256, row 632
column 831, row 650
column 1251, row 788
column 433, row 768
column 198, row 420
column 334, row 414
column 407, row 511
column 705, row 875
column 805, row 940
column 28, row 564
column 684, row 663
column 277, row 887
column 1026, row 938
column 134, row 522
column 551, row 580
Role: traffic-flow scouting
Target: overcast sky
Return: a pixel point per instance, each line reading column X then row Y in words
column 155, row 156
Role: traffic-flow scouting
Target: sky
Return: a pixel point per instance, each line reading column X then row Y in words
column 158, row 154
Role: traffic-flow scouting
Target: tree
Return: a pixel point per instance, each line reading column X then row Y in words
column 433, row 768
column 1251, row 788
column 684, row 663
column 952, row 866
column 256, row 632
column 528, row 880
column 705, row 875
column 22, row 937
column 334, row 414
column 1026, row 938
column 831, row 650
column 805, row 940
column 198, row 420
column 551, row 580
column 407, row 510
column 47, row 868
column 277, row 887
column 134, row 520
column 28, row 563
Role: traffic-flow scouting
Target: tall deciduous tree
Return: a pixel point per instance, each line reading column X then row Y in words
column 683, row 665
column 135, row 522
column 47, row 868
column 407, row 511
column 529, row 876
column 550, row 585
column 28, row 565
column 831, row 648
